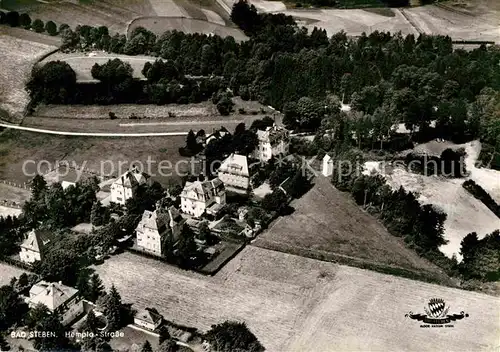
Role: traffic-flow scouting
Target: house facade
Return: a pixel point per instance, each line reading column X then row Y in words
column 58, row 298
column 33, row 248
column 234, row 173
column 200, row 196
column 273, row 141
column 155, row 226
column 148, row 319
column 124, row 186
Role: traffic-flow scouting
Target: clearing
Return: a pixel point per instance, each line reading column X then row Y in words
column 7, row 272
column 465, row 213
column 36, row 151
column 159, row 25
column 328, row 225
column 298, row 304
column 17, row 56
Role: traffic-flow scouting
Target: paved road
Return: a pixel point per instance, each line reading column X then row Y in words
column 89, row 134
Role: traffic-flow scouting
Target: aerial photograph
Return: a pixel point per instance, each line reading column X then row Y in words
column 250, row 175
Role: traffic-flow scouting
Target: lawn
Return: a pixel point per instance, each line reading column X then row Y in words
column 7, row 272
column 298, row 304
column 328, row 225
column 17, row 147
column 17, row 57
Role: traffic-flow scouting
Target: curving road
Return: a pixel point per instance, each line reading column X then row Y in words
column 90, row 134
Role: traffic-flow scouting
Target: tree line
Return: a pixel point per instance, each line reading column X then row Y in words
column 15, row 19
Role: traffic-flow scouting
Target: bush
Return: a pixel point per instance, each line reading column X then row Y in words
column 38, row 26
column 242, row 111
column 12, row 18
column 25, row 20
column 112, row 115
column 51, row 28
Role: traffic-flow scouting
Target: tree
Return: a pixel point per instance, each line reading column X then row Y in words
column 58, row 341
column 36, row 315
column 168, row 346
column 163, row 333
column 12, row 307
column 233, row 336
column 25, row 20
column 99, row 215
column 146, row 347
column 113, row 310
column 54, row 82
column 51, row 28
column 225, row 105
column 12, row 18
column 276, row 201
column 4, row 346
column 38, row 187
column 38, row 26
column 96, row 288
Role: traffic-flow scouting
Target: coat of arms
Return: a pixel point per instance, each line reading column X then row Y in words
column 436, row 313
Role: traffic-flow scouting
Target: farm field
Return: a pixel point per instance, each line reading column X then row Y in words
column 465, row 213
column 7, row 272
column 299, row 304
column 159, row 25
column 17, row 147
column 13, row 194
column 328, row 225
column 17, row 57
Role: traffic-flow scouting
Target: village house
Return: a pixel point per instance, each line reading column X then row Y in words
column 327, row 167
column 58, row 298
column 216, row 134
column 203, row 196
column 125, row 186
column 273, row 141
column 157, row 225
column 33, row 248
column 234, row 173
column 148, row 319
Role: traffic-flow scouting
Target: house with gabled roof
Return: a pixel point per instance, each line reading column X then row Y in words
column 58, row 298
column 155, row 226
column 203, row 196
column 234, row 173
column 273, row 141
column 34, row 246
column 149, row 319
column 125, row 186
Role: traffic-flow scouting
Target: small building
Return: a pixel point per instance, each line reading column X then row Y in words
column 125, row 186
column 327, row 168
column 148, row 319
column 217, row 134
column 234, row 173
column 203, row 196
column 157, row 225
column 58, row 298
column 273, row 141
column 33, row 248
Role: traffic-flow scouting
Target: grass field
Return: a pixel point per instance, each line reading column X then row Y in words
column 298, row 304
column 159, row 25
column 465, row 213
column 16, row 59
column 17, row 147
column 7, row 272
column 328, row 225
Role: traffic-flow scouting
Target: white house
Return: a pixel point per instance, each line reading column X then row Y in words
column 234, row 173
column 157, row 225
column 58, row 298
column 327, row 169
column 33, row 248
column 200, row 196
column 148, row 319
column 272, row 142
column 124, row 186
